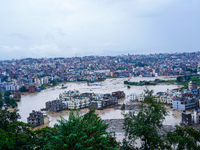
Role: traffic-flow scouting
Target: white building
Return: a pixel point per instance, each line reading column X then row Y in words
column 183, row 104
column 141, row 97
column 163, row 99
column 169, row 99
column 133, row 97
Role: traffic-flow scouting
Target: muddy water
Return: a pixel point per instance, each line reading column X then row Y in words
column 36, row 101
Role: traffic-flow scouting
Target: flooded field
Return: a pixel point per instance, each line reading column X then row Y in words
column 36, row 101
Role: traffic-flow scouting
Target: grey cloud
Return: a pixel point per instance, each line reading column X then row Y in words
column 68, row 27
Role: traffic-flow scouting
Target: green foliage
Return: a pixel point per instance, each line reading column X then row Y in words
column 10, row 101
column 7, row 118
column 14, row 134
column 179, row 78
column 184, row 80
column 144, row 125
column 191, row 70
column 81, row 132
column 42, row 137
column 123, row 106
column 17, row 100
column 1, row 103
column 184, row 138
column 7, row 93
column 140, row 83
column 42, row 87
column 4, row 79
column 23, row 89
column 54, row 82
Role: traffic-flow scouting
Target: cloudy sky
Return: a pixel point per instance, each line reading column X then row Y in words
column 65, row 28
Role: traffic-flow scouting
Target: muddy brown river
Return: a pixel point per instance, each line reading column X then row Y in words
column 36, row 101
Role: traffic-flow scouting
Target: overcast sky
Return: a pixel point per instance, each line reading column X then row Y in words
column 65, row 28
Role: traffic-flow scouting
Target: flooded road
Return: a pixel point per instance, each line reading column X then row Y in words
column 36, row 101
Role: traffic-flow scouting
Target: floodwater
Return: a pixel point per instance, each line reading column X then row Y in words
column 36, row 101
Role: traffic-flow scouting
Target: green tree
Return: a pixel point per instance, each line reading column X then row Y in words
column 80, row 133
column 42, row 87
column 7, row 118
column 23, row 89
column 183, row 138
column 54, row 82
column 7, row 93
column 1, row 103
column 14, row 134
column 144, row 125
column 43, row 136
column 123, row 106
column 179, row 78
column 10, row 101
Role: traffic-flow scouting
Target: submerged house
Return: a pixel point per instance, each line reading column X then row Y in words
column 184, row 103
column 56, row 105
column 35, row 118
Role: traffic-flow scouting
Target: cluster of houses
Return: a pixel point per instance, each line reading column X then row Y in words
column 187, row 99
column 76, row 100
column 35, row 72
column 160, row 97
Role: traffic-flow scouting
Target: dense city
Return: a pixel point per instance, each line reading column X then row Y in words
column 26, row 76
column 33, row 73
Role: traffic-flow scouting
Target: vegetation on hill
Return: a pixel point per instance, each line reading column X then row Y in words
column 88, row 132
column 79, row 132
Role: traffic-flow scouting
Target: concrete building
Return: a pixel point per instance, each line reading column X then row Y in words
column 17, row 94
column 133, row 97
column 75, row 104
column 163, row 99
column 56, row 105
column 141, row 97
column 104, row 103
column 186, row 118
column 35, row 118
column 118, row 94
column 183, row 103
column 192, row 85
column 169, row 99
column 96, row 104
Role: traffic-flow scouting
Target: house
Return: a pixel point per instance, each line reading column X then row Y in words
column 56, row 105
column 184, row 103
column 35, row 118
column 141, row 97
column 163, row 99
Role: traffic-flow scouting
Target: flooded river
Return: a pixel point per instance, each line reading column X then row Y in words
column 36, row 101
